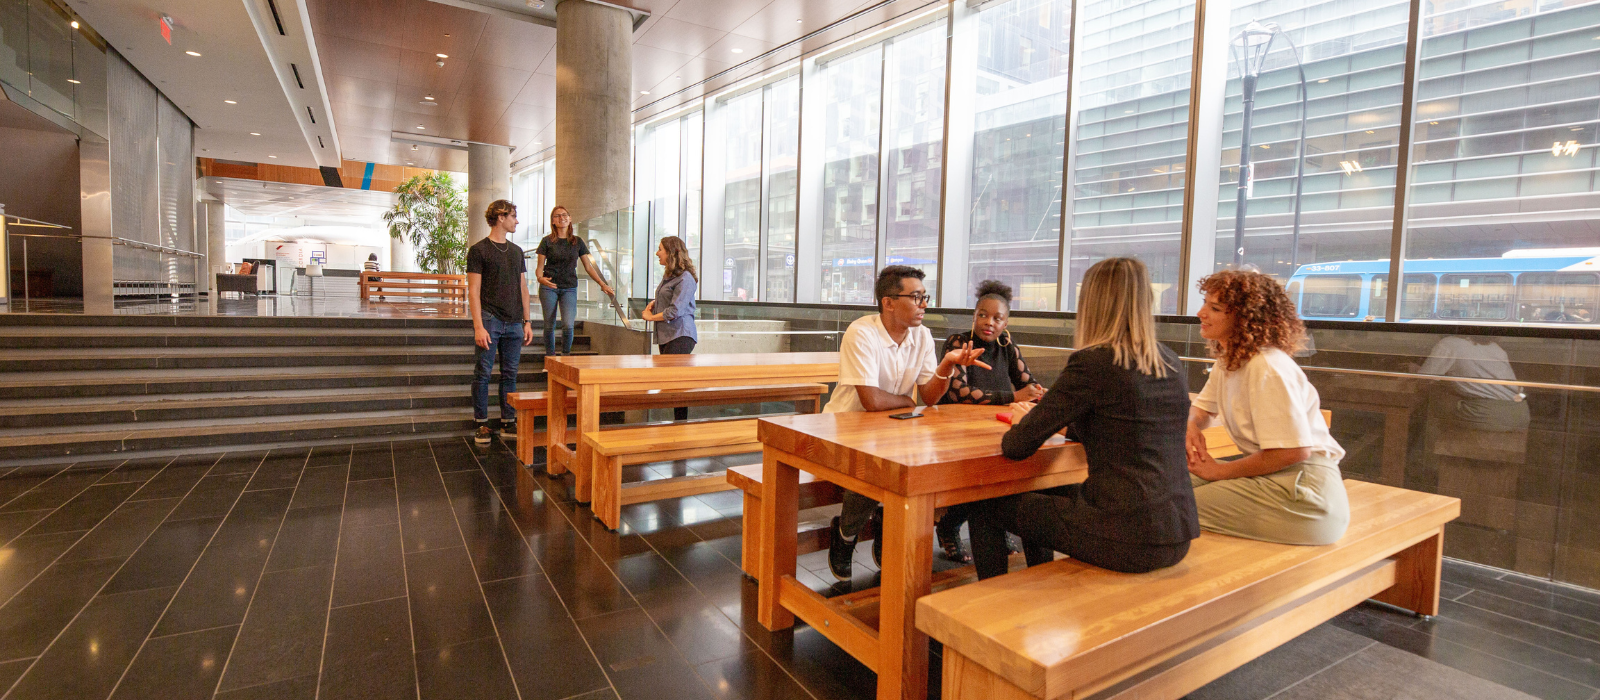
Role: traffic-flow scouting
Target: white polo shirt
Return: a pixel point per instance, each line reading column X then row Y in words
column 869, row 357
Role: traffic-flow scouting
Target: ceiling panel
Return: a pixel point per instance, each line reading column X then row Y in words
column 525, row 116
column 422, row 69
column 373, row 21
column 359, row 59
column 515, row 45
column 411, row 100
column 540, row 90
column 678, row 37
column 495, row 82
column 433, row 28
column 776, row 23
column 717, row 14
column 361, row 117
column 358, row 91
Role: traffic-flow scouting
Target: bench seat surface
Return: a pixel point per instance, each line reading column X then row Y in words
column 1052, row 628
column 673, row 436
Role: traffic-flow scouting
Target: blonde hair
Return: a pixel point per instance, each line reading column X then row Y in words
column 1114, row 311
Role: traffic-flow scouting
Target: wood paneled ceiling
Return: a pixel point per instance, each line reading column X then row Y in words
column 498, row 83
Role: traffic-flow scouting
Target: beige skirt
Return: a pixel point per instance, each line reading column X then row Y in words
column 1303, row 503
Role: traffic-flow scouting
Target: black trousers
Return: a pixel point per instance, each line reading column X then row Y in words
column 681, row 345
column 1037, row 518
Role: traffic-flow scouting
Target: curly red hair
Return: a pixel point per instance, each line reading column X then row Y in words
column 1263, row 316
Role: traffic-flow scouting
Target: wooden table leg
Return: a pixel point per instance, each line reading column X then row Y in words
column 555, row 429
column 588, row 421
column 780, row 513
column 1417, row 574
column 907, row 576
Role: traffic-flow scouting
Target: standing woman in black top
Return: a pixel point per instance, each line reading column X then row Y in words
column 1124, row 397
column 1008, row 382
column 557, row 271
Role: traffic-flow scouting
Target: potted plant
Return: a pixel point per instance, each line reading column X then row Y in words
column 432, row 216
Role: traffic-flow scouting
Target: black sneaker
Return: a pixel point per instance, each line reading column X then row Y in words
column 508, row 431
column 484, row 436
column 875, row 526
column 950, row 541
column 840, row 552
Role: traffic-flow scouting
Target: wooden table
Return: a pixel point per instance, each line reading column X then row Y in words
column 587, row 377
column 951, row 455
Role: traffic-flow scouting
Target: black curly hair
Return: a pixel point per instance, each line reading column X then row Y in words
column 994, row 289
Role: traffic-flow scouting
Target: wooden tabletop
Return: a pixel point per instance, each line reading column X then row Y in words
column 746, row 368
column 950, row 447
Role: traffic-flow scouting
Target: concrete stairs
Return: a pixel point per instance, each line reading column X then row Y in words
column 83, row 387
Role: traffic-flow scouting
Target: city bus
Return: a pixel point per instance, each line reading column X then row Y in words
column 1536, row 286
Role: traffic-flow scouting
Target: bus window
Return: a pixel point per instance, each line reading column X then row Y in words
column 1416, row 303
column 1480, row 296
column 1557, row 297
column 1331, row 295
column 1294, row 292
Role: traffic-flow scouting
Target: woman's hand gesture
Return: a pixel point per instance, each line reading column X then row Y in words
column 1029, row 393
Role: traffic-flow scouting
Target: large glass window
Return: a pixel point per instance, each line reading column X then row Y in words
column 1331, row 296
column 668, row 170
column 1485, row 297
column 1311, row 132
column 1130, row 150
column 783, row 151
column 1503, row 167
column 741, row 204
column 1024, row 47
column 1416, row 302
column 914, row 148
column 1558, row 297
column 852, row 85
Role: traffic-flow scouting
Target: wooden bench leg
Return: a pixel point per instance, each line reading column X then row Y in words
column 1416, row 578
column 963, row 679
column 525, row 439
column 780, row 512
column 555, row 428
column 583, row 464
column 750, row 535
column 607, row 490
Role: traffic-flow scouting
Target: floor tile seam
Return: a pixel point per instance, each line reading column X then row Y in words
column 1370, row 643
column 222, row 673
column 369, row 602
column 1435, row 640
column 548, row 582
column 113, row 577
column 405, row 570
column 1558, row 592
column 36, row 487
column 198, row 631
column 258, row 685
column 333, row 582
column 56, row 560
column 482, row 595
column 1546, row 628
column 1541, row 647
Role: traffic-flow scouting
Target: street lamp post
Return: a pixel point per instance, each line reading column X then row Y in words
column 1250, row 49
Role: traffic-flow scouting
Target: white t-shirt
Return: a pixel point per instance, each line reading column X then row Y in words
column 869, row 357
column 1268, row 404
column 1455, row 356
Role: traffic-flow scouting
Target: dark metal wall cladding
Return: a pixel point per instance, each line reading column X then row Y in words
column 152, row 180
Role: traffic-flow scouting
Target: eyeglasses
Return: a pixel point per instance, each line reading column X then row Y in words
column 562, row 216
column 918, row 299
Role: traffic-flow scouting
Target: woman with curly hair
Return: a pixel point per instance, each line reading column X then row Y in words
column 1287, row 487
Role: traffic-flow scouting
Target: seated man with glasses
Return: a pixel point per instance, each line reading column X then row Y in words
column 886, row 360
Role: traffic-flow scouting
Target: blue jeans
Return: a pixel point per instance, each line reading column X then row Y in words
column 505, row 339
column 568, row 299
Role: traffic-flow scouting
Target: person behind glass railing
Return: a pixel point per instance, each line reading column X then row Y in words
column 1287, row 487
column 1490, row 407
column 557, row 272
column 672, row 309
column 1007, row 383
column 1124, row 397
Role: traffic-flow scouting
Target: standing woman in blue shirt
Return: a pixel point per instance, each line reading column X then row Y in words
column 672, row 309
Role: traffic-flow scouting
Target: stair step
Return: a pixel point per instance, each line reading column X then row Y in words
column 233, row 433
column 102, row 359
column 73, row 414
column 148, row 337
column 50, row 385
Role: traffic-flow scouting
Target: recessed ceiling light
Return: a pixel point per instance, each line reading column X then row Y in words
column 1324, row 80
column 644, row 92
column 538, row 143
column 1371, row 132
column 428, row 97
column 798, row 21
column 255, row 133
column 193, row 53
column 231, row 102
column 419, row 126
column 272, row 156
column 440, row 55
column 74, row 24
column 74, row 81
column 738, row 50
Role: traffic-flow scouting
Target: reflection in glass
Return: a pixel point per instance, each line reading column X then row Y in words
column 1129, row 163
column 850, row 175
column 783, row 151
column 1023, row 52
column 1503, row 179
column 741, row 205
column 692, row 136
column 1317, row 160
column 914, row 147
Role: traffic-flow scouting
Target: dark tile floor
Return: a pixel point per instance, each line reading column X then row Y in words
column 436, row 570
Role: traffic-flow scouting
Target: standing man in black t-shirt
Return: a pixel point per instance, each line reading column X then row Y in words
column 497, row 297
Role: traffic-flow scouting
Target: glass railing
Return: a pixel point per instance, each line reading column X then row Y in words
column 1521, row 452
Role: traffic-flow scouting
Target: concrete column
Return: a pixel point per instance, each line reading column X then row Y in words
column 216, row 239
column 402, row 257
column 94, row 181
column 488, row 179
column 594, row 95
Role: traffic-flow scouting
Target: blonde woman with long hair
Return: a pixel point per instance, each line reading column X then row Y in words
column 672, row 309
column 1123, row 396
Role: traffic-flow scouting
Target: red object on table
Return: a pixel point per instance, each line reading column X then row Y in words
column 1003, row 417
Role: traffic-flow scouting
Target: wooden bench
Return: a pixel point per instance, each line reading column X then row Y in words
column 812, row 536
column 615, row 449
column 807, row 398
column 413, row 284
column 1068, row 629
